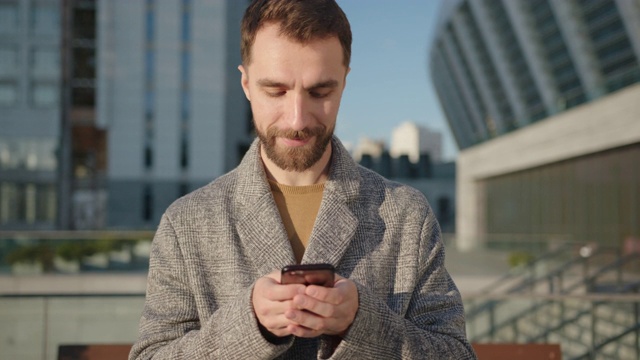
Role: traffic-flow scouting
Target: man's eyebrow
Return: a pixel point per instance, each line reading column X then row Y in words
column 324, row 84
column 270, row 83
column 276, row 84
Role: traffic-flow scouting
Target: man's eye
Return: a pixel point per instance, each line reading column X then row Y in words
column 275, row 93
column 318, row 95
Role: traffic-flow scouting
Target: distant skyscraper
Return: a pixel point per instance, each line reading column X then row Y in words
column 413, row 140
column 370, row 147
column 170, row 99
column 542, row 97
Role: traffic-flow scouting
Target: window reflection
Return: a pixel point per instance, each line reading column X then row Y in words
column 45, row 63
column 8, row 93
column 27, row 203
column 44, row 94
column 8, row 17
column 27, row 153
column 45, row 19
column 8, row 61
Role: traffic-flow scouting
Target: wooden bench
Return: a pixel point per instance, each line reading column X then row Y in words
column 94, row 352
column 517, row 351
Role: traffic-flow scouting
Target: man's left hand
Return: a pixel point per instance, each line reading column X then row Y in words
column 323, row 310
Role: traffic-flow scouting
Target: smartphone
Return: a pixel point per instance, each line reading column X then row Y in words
column 308, row 274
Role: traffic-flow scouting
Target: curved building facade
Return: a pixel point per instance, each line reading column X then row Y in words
column 543, row 99
column 499, row 65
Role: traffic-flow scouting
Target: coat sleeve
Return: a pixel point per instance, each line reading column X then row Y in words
column 433, row 326
column 171, row 326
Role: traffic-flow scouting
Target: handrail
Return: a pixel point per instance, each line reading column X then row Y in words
column 562, row 268
column 608, row 341
column 626, row 292
column 522, row 270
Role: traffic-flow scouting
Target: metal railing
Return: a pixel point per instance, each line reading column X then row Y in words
column 585, row 298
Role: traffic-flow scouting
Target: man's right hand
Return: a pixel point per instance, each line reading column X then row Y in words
column 271, row 299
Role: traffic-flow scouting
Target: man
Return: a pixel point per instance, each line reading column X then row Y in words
column 214, row 288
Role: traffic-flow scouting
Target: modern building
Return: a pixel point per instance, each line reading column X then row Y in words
column 170, row 99
column 368, row 147
column 414, row 140
column 435, row 179
column 542, row 99
column 30, row 81
column 110, row 110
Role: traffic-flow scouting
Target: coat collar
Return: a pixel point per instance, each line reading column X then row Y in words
column 260, row 227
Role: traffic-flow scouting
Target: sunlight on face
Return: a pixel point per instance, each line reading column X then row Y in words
column 295, row 91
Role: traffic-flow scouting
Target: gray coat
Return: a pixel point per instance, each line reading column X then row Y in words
column 212, row 245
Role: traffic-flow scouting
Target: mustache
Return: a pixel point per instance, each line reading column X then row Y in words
column 296, row 134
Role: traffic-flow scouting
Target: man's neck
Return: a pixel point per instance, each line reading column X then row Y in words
column 316, row 174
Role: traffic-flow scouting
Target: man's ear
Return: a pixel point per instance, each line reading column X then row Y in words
column 244, row 81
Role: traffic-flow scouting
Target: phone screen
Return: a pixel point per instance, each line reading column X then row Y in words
column 308, row 274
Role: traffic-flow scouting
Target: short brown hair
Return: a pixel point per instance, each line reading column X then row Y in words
column 300, row 20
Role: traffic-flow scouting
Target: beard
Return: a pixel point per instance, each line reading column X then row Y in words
column 298, row 158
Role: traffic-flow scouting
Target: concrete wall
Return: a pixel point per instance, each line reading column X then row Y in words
column 606, row 123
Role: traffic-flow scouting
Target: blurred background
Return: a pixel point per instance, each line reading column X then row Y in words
column 518, row 119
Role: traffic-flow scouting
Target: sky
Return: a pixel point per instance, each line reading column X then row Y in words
column 389, row 82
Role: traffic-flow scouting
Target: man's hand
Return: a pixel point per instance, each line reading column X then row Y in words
column 322, row 310
column 270, row 301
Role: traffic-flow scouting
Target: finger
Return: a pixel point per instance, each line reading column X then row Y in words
column 313, row 305
column 271, row 290
column 301, row 331
column 306, row 319
column 275, row 275
column 277, row 325
column 333, row 295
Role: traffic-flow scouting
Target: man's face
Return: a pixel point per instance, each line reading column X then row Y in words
column 295, row 91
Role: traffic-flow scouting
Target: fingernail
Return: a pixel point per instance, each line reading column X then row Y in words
column 290, row 315
column 311, row 292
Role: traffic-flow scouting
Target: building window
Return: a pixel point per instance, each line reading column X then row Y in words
column 183, row 189
column 149, row 81
column 27, row 203
column 184, row 153
column 8, row 93
column 185, row 75
column 45, row 19
column 44, row 94
column 28, row 153
column 8, row 202
column 45, row 63
column 147, row 203
column 9, row 18
column 8, row 61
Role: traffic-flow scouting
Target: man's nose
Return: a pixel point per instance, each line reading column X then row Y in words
column 298, row 116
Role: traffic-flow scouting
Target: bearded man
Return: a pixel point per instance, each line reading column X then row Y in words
column 214, row 287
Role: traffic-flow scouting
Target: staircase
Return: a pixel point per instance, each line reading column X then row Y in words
column 585, row 298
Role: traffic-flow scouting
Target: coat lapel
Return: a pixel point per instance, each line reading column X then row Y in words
column 259, row 225
column 260, row 228
column 335, row 225
column 264, row 238
column 334, row 228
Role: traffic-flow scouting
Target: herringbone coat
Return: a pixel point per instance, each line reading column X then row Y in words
column 213, row 244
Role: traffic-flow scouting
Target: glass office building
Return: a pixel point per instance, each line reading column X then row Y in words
column 169, row 96
column 29, row 112
column 541, row 96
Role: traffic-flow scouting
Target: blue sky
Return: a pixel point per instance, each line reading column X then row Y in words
column 389, row 81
